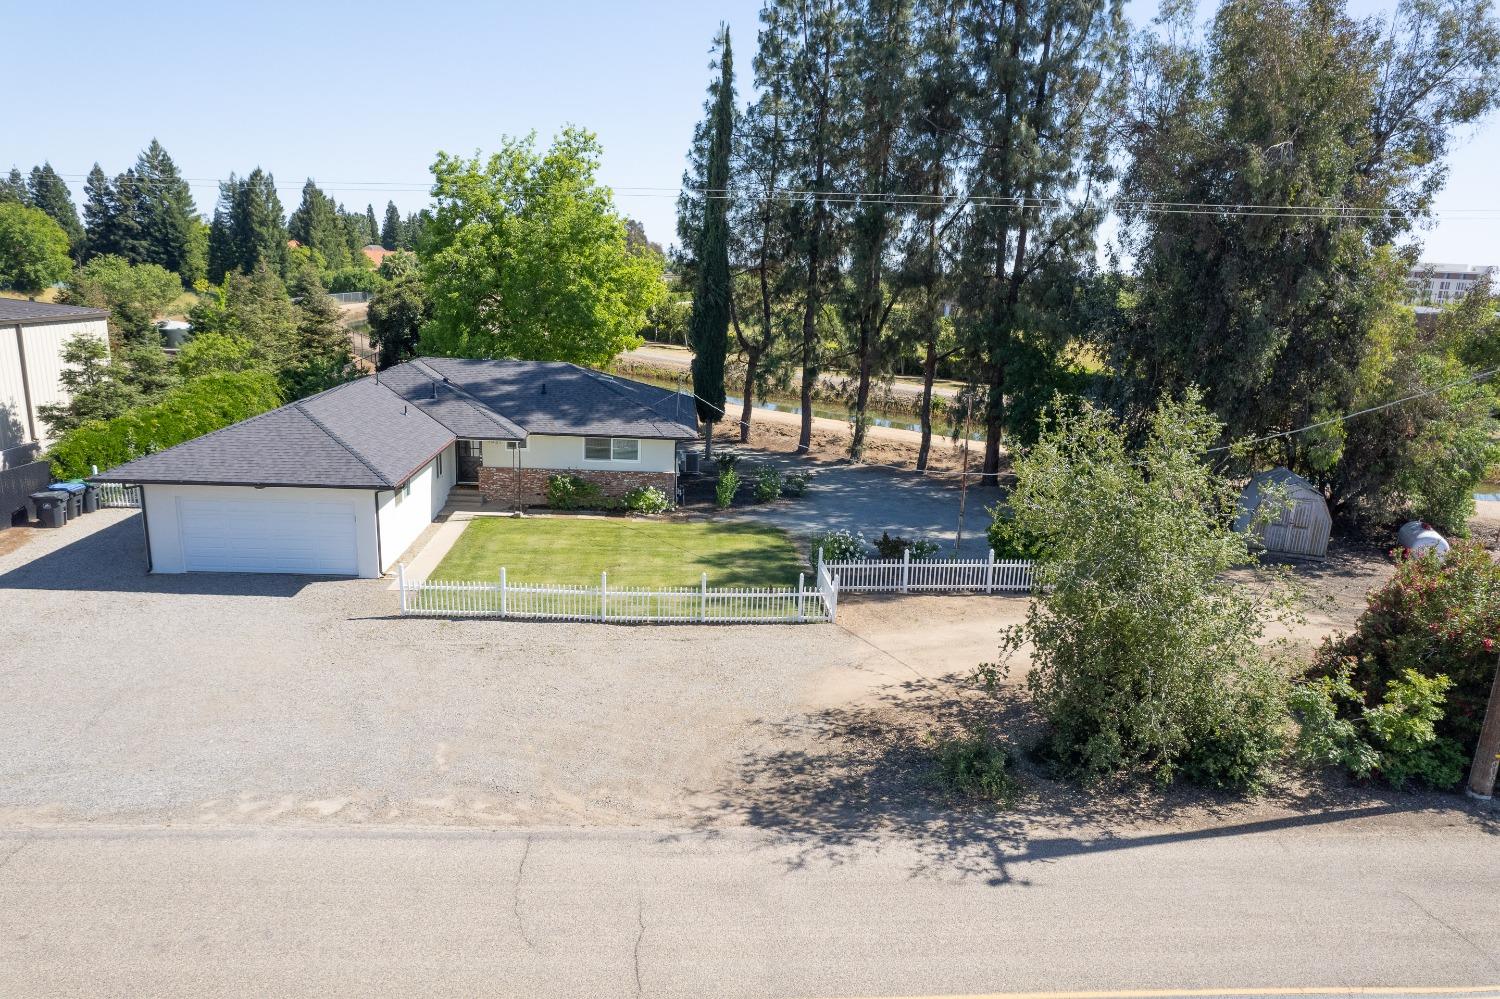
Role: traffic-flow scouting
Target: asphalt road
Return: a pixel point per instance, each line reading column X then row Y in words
column 291, row 912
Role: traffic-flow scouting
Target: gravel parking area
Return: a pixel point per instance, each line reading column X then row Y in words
column 209, row 698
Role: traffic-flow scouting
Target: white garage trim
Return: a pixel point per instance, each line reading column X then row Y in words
column 275, row 529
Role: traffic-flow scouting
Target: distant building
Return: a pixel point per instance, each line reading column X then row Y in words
column 1444, row 284
column 32, row 337
column 376, row 253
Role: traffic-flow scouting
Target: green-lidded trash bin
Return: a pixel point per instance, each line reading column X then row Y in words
column 74, row 491
column 51, row 507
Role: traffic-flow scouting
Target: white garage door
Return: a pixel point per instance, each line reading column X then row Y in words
column 268, row 536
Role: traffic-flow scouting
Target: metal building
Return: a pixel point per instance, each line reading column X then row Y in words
column 1299, row 528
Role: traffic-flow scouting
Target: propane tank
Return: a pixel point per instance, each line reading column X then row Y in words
column 1418, row 538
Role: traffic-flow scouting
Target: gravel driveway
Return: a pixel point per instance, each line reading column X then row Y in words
column 218, row 698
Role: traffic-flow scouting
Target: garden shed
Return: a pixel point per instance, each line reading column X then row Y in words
column 1300, row 528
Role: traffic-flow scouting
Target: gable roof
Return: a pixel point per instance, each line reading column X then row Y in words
column 379, row 431
column 15, row 310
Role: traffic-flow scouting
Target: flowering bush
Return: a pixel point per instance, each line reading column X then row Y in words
column 1433, row 618
column 840, row 546
column 647, row 500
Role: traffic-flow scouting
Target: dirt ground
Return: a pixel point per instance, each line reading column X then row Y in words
column 778, row 432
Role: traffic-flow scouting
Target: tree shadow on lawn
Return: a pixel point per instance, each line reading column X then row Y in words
column 844, row 778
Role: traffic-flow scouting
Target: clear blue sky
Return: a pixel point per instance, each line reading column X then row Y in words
column 368, row 92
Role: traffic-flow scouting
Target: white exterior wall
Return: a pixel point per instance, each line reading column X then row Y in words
column 401, row 522
column 42, row 346
column 546, row 451
column 160, row 507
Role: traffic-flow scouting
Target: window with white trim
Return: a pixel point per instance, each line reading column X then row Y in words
column 611, row 449
column 515, row 445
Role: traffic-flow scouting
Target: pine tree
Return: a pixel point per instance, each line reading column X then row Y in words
column 372, row 230
column 391, row 235
column 167, row 214
column 708, row 327
column 13, row 187
column 48, row 192
column 316, row 225
column 257, row 223
column 127, row 218
column 97, row 213
column 880, row 99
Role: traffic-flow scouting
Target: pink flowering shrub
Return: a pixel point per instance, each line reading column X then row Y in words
column 1435, row 619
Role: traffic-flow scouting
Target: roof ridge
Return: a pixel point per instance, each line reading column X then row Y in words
column 612, row 382
column 340, row 441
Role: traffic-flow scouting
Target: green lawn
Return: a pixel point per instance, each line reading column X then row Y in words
column 641, row 553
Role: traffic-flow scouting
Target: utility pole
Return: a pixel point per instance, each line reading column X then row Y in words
column 1487, row 753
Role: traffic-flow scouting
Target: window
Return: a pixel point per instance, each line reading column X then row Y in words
column 440, row 465
column 515, row 445
column 611, row 449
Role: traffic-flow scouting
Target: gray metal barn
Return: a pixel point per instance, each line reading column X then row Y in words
column 1300, row 528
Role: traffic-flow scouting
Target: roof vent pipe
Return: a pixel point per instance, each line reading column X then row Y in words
column 544, row 388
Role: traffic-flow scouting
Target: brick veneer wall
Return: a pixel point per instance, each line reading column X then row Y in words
column 501, row 485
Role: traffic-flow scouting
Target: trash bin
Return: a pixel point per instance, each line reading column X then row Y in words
column 90, row 497
column 51, row 507
column 74, row 492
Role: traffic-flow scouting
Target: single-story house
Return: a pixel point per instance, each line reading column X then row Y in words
column 341, row 483
column 32, row 337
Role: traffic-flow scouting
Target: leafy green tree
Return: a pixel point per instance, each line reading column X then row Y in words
column 47, row 191
column 33, row 249
column 525, row 257
column 708, row 326
column 168, row 216
column 397, row 310
column 392, row 234
column 96, row 387
column 1288, row 103
column 210, row 353
column 134, row 294
column 1145, row 659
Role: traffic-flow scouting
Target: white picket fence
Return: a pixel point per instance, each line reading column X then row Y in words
column 701, row 604
column 113, row 494
column 905, row 575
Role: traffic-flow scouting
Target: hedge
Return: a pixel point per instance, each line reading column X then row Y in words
column 191, row 410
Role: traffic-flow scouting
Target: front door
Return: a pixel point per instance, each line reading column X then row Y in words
column 470, row 457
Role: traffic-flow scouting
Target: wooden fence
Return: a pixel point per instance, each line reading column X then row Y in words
column 701, row 604
column 905, row 575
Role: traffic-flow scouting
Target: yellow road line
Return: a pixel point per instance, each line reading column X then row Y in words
column 1320, row 990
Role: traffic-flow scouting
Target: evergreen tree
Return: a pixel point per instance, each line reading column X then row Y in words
column 1039, row 88
column 259, row 234
column 166, row 212
column 95, row 386
column 48, row 192
column 321, row 354
column 372, row 230
column 317, row 225
column 13, row 188
column 98, row 197
column 413, row 229
column 879, row 110
column 708, row 328
column 126, row 229
column 392, row 234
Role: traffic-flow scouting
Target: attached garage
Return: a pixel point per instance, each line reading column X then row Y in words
column 268, row 536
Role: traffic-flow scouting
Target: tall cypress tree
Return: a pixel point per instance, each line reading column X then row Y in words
column 708, row 328
column 374, row 234
column 49, row 193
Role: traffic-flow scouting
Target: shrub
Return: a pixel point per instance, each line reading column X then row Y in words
column 1396, row 738
column 767, row 484
column 1433, row 618
column 348, row 279
column 570, row 492
column 1144, row 659
column 726, row 459
column 889, row 547
column 185, row 412
column 840, row 546
column 727, row 485
column 1007, row 539
column 973, row 766
column 795, row 484
column 647, row 500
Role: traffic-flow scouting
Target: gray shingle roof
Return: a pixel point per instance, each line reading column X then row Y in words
column 15, row 310
column 552, row 397
column 375, row 433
